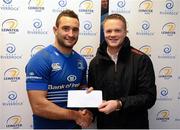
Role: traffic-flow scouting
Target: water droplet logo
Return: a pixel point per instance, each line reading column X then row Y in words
column 7, row 1
column 62, row 3
column 10, row 48
column 121, row 3
column 169, row 4
column 167, row 49
column 12, row 95
column 87, row 25
column 37, row 23
column 145, row 25
column 164, row 91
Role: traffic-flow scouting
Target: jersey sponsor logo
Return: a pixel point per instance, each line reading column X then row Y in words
column 71, row 78
column 32, row 76
column 63, row 86
column 56, row 67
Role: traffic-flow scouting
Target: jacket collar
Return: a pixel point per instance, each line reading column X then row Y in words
column 123, row 53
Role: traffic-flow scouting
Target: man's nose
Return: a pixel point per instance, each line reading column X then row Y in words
column 113, row 33
column 71, row 33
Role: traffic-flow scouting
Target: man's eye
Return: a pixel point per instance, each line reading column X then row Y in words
column 75, row 29
column 65, row 29
column 118, row 31
column 108, row 31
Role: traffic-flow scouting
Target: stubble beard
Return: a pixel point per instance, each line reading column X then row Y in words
column 62, row 43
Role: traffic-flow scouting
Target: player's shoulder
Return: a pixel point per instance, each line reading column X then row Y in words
column 42, row 55
column 136, row 51
column 77, row 55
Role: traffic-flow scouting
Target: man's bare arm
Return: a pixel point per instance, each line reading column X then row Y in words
column 45, row 108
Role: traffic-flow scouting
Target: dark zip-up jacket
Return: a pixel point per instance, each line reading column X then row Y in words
column 131, row 80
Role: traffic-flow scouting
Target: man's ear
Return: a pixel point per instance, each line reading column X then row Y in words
column 54, row 29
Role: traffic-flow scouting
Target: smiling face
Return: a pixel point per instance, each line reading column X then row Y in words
column 67, row 32
column 114, row 32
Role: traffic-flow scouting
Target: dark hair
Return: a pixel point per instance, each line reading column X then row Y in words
column 115, row 16
column 68, row 13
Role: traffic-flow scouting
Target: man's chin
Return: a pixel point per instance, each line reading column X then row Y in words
column 69, row 46
column 114, row 44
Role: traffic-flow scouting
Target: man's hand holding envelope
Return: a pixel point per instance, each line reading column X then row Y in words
column 84, row 98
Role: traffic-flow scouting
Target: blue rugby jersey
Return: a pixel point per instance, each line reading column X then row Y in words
column 52, row 71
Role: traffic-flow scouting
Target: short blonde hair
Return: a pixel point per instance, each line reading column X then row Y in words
column 115, row 16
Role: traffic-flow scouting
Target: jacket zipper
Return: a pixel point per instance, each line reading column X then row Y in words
column 115, row 67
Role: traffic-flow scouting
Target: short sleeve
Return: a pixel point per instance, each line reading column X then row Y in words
column 37, row 71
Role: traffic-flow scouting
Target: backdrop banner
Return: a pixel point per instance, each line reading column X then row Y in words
column 26, row 28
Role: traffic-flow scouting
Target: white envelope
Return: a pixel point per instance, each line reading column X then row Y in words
column 81, row 99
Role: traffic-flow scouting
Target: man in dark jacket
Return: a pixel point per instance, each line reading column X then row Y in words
column 126, row 77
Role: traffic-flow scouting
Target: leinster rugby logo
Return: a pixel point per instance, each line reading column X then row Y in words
column 71, row 78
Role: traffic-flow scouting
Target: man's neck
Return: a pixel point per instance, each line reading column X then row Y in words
column 112, row 50
column 64, row 50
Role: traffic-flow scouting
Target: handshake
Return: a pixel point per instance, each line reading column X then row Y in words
column 84, row 118
column 90, row 99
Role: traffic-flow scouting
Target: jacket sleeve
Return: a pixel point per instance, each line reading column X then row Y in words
column 91, row 74
column 91, row 82
column 145, row 95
